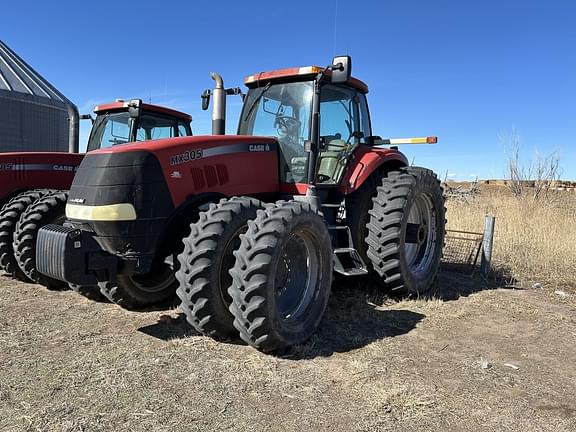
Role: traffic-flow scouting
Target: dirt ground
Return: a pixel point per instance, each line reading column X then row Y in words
column 472, row 359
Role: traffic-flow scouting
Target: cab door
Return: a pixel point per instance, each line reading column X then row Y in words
column 344, row 125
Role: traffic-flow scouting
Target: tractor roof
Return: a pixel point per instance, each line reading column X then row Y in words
column 295, row 74
column 122, row 105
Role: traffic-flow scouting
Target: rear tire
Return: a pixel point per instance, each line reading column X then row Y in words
column 206, row 261
column 406, row 230
column 50, row 209
column 282, row 276
column 9, row 216
column 135, row 292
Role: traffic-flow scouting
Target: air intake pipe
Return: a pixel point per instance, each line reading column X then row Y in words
column 218, row 106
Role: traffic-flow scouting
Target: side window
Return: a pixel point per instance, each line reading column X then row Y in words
column 153, row 128
column 182, row 129
column 337, row 115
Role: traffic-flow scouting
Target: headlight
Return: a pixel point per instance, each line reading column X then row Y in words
column 112, row 212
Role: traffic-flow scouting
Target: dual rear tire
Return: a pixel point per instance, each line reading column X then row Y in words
column 10, row 214
column 49, row 209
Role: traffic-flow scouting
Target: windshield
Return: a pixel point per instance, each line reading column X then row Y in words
column 114, row 128
column 281, row 111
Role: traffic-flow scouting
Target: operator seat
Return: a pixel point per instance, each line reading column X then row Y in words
column 331, row 163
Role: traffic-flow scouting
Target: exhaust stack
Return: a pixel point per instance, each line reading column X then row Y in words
column 219, row 106
column 74, row 129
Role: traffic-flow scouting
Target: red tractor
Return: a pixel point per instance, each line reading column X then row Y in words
column 249, row 228
column 33, row 185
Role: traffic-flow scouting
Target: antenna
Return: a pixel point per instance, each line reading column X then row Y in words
column 335, row 25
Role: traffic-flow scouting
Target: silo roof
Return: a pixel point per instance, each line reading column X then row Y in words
column 17, row 76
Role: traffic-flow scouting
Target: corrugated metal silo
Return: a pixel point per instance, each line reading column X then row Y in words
column 34, row 116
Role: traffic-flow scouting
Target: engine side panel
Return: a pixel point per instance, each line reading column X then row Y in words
column 31, row 170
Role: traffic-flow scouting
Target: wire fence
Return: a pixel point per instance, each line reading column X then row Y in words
column 462, row 250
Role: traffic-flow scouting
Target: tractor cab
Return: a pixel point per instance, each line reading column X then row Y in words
column 318, row 117
column 122, row 122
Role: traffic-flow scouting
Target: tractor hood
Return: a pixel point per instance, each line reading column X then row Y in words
column 126, row 194
column 224, row 164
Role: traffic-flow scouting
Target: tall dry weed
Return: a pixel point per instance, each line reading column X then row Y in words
column 534, row 241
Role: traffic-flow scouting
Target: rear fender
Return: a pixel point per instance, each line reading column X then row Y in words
column 365, row 161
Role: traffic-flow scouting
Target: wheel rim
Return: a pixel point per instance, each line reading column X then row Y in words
column 298, row 272
column 159, row 279
column 421, row 235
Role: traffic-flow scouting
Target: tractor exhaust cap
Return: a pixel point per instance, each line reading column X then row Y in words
column 218, row 106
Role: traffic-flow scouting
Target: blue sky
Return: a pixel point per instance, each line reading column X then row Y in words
column 465, row 71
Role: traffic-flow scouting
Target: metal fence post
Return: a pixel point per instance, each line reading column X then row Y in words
column 487, row 243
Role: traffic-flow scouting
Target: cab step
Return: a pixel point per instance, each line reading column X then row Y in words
column 347, row 260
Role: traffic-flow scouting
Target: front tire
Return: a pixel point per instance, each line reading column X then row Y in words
column 206, row 262
column 282, row 276
column 406, row 230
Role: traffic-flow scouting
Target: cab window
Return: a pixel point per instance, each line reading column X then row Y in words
column 153, row 127
column 282, row 111
column 183, row 129
column 109, row 130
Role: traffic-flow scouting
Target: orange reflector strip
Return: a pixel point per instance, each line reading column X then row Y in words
column 396, row 141
column 282, row 73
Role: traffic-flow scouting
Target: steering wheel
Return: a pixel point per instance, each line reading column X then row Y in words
column 288, row 123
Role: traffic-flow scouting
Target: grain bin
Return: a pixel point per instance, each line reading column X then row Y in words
column 34, row 115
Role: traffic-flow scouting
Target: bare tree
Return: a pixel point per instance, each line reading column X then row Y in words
column 535, row 177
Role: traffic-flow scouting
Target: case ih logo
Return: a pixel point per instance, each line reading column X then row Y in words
column 259, row 147
column 36, row 167
column 65, row 168
column 187, row 156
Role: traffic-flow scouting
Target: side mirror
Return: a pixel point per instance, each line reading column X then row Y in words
column 206, row 99
column 341, row 69
column 135, row 108
column 87, row 117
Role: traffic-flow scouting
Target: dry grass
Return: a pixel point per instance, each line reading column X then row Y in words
column 533, row 242
column 376, row 364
